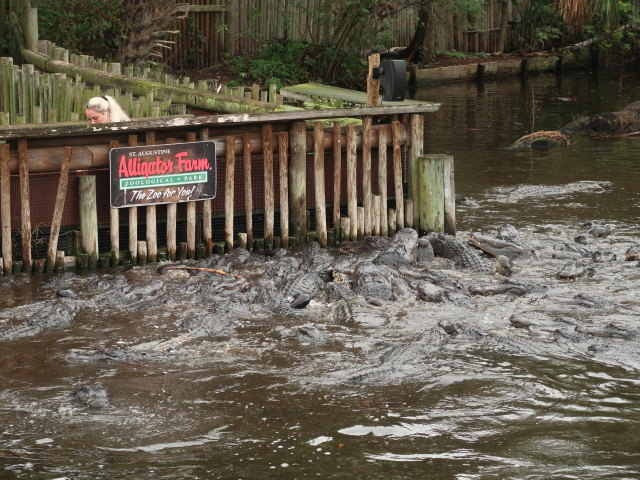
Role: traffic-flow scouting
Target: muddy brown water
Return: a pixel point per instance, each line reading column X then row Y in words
column 544, row 385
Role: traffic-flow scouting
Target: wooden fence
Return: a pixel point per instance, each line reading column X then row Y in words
column 320, row 183
column 214, row 28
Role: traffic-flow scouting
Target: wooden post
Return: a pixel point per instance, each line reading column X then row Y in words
column 172, row 223
column 360, row 217
column 366, row 174
column 152, row 234
column 191, row 215
column 143, row 252
column 298, row 179
column 58, row 210
column 375, row 210
column 318, row 167
column 269, row 201
column 5, row 208
column 89, row 217
column 382, row 178
column 337, row 172
column 409, row 214
column 431, row 208
column 415, row 153
column 449, row 196
column 229, row 192
column 352, row 186
column 397, row 174
column 133, row 217
column 25, row 204
column 373, row 84
column 345, row 226
column 31, row 28
column 283, row 149
column 391, row 216
column 114, row 229
column 207, row 217
column 248, row 188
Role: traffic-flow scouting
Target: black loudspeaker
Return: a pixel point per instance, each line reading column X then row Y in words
column 393, row 79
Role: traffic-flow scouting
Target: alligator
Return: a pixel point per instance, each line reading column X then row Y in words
column 497, row 246
column 522, row 192
column 632, row 253
column 37, row 317
column 448, row 246
column 92, row 396
column 597, row 229
column 573, row 270
column 402, row 251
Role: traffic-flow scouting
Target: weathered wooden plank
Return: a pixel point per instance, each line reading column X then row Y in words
column 307, row 91
column 366, row 175
column 337, row 172
column 89, row 217
column 58, row 210
column 382, row 178
column 397, row 174
column 298, row 179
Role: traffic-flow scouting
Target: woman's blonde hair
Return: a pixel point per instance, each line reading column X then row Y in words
column 108, row 105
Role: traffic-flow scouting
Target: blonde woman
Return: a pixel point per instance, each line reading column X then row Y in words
column 104, row 109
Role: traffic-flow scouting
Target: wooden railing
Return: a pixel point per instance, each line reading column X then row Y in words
column 299, row 165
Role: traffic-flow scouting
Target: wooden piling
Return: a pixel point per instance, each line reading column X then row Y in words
column 58, row 210
column 449, row 196
column 431, row 209
column 409, row 214
column 133, row 217
column 5, row 208
column 89, row 217
column 191, row 215
column 143, row 252
column 345, row 227
column 269, row 200
column 382, row 179
column 298, row 179
column 319, row 183
column 366, row 175
column 172, row 223
column 229, row 193
column 337, row 172
column 248, row 188
column 25, row 206
column 397, row 174
column 391, row 219
column 207, row 213
column 352, row 186
column 114, row 230
column 152, row 234
column 375, row 215
column 360, row 217
column 415, row 152
column 283, row 160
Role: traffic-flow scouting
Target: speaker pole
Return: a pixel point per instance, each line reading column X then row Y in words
column 373, row 84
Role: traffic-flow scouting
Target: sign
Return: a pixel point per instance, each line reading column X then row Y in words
column 157, row 174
